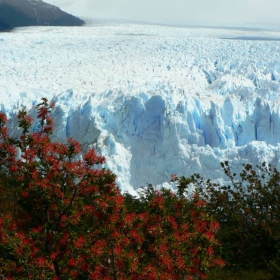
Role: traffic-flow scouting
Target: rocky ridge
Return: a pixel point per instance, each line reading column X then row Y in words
column 18, row 13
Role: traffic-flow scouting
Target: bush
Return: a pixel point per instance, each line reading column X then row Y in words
column 62, row 216
column 248, row 211
column 179, row 235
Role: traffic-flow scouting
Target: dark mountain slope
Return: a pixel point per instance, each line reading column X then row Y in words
column 17, row 13
column 4, row 26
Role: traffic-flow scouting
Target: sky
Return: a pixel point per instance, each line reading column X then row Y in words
column 204, row 12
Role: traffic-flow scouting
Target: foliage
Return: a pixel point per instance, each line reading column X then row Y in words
column 248, row 211
column 237, row 274
column 57, row 211
column 62, row 216
column 179, row 236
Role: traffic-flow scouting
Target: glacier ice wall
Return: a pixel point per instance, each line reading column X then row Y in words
column 147, row 138
column 153, row 100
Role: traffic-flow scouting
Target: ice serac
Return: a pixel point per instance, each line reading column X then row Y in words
column 148, row 137
column 153, row 100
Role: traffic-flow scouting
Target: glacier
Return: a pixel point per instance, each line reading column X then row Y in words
column 154, row 100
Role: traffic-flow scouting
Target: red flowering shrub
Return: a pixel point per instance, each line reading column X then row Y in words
column 58, row 214
column 178, row 237
column 62, row 216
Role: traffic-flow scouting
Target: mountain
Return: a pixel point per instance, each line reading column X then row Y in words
column 4, row 26
column 17, row 13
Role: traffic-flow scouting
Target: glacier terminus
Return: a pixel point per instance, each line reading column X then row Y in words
column 154, row 100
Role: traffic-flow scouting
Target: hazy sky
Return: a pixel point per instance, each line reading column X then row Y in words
column 238, row 12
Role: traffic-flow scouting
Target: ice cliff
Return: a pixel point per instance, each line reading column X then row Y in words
column 153, row 100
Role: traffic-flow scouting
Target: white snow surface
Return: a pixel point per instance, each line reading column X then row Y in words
column 154, row 100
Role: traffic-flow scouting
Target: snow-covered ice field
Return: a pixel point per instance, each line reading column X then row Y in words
column 155, row 100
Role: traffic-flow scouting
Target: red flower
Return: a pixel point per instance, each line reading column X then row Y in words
column 130, row 218
column 219, row 262
column 25, row 194
column 209, row 235
column 3, row 118
column 210, row 251
column 72, row 262
column 200, row 203
column 215, row 227
column 41, row 262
